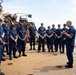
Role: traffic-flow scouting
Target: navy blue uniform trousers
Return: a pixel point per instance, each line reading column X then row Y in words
column 41, row 42
column 1, row 50
column 69, row 52
column 21, row 46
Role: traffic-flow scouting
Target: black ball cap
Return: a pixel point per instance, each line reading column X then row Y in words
column 0, row 20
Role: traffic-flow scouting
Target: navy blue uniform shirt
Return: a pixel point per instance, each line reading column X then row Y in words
column 54, row 30
column 6, row 29
column 1, row 31
column 1, row 46
column 58, row 32
column 32, row 31
column 42, row 27
column 71, row 41
column 22, row 32
column 42, row 31
column 49, row 32
column 14, row 34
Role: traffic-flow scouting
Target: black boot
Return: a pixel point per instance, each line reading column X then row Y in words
column 69, row 66
column 10, row 58
column 52, row 51
column 15, row 56
column 1, row 73
column 3, row 59
column 48, row 50
column 51, row 48
column 24, row 55
column 43, row 50
column 30, row 48
column 19, row 54
column 34, row 48
column 38, row 51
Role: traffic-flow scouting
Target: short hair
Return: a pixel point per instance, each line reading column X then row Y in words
column 59, row 25
column 53, row 24
column 48, row 26
column 64, row 24
column 41, row 23
column 69, row 21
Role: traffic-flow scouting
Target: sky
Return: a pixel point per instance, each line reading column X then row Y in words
column 44, row 11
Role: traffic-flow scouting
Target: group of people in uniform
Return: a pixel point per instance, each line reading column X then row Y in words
column 51, row 36
column 64, row 38
column 14, row 38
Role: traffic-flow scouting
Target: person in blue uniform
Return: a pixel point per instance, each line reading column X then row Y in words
column 12, row 42
column 2, row 43
column 42, row 35
column 42, row 25
column 6, row 37
column 2, row 30
column 21, row 40
column 64, row 38
column 70, row 43
column 49, row 39
column 58, row 38
column 32, row 35
column 54, row 37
